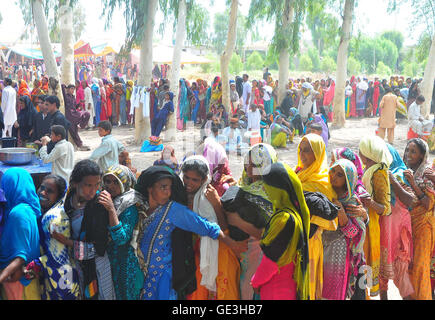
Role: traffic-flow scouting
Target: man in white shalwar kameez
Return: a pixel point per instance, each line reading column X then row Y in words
column 416, row 121
column 9, row 101
column 89, row 104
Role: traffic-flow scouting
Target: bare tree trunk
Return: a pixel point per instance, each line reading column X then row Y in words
column 428, row 80
column 171, row 130
column 227, row 54
column 340, row 85
column 284, row 55
column 44, row 39
column 142, row 124
column 66, row 29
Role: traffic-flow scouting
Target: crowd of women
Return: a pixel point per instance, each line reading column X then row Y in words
column 189, row 231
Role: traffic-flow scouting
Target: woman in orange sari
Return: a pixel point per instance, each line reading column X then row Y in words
column 217, row 266
column 109, row 95
column 44, row 84
column 23, row 89
column 420, row 177
column 377, row 158
column 313, row 171
column 36, row 92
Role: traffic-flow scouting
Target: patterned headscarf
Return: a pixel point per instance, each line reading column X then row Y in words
column 350, row 172
column 347, row 153
column 126, row 181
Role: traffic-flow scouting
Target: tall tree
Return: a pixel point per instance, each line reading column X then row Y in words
column 228, row 53
column 220, row 31
column 79, row 22
column 346, row 31
column 288, row 16
column 191, row 20
column 140, row 19
column 34, row 10
column 424, row 12
column 176, row 65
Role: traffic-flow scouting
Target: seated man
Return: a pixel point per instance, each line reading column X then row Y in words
column 233, row 136
column 417, row 122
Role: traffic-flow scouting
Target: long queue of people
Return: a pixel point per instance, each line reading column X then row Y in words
column 190, row 231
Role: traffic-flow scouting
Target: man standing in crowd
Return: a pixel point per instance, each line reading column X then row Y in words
column 246, row 97
column 74, row 116
column 9, row 101
column 387, row 120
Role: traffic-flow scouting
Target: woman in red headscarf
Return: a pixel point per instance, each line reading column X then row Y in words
column 353, row 98
column 23, row 89
column 202, row 114
column 376, row 94
column 328, row 99
column 109, row 95
column 44, row 84
column 103, row 114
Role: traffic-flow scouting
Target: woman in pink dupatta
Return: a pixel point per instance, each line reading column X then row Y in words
column 219, row 166
column 376, row 94
column 396, row 233
column 103, row 114
column 80, row 95
column 328, row 99
column 343, row 249
column 353, row 98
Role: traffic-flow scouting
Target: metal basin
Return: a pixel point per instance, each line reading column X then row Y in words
column 17, row 156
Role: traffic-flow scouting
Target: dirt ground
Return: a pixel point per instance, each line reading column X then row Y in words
column 349, row 136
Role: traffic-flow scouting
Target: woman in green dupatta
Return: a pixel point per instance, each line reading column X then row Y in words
column 283, row 271
column 257, row 163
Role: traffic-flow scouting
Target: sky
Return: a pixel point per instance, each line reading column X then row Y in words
column 371, row 18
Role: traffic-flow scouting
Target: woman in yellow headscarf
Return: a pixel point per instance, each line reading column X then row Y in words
column 283, row 273
column 376, row 158
column 313, row 172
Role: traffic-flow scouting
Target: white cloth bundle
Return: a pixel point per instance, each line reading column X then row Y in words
column 209, row 248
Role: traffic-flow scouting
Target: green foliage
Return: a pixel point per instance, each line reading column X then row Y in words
column 324, row 27
column 373, row 50
column 394, row 36
column 236, row 64
column 272, row 58
column 383, row 70
column 272, row 11
column 254, row 61
column 135, row 14
column 79, row 24
column 353, row 66
column 305, row 63
column 315, row 59
column 214, row 66
column 328, row 65
column 423, row 46
column 412, row 69
column 197, row 20
column 52, row 9
column 220, row 34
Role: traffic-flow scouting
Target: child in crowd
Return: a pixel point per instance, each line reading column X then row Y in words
column 107, row 154
column 254, row 118
column 62, row 155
